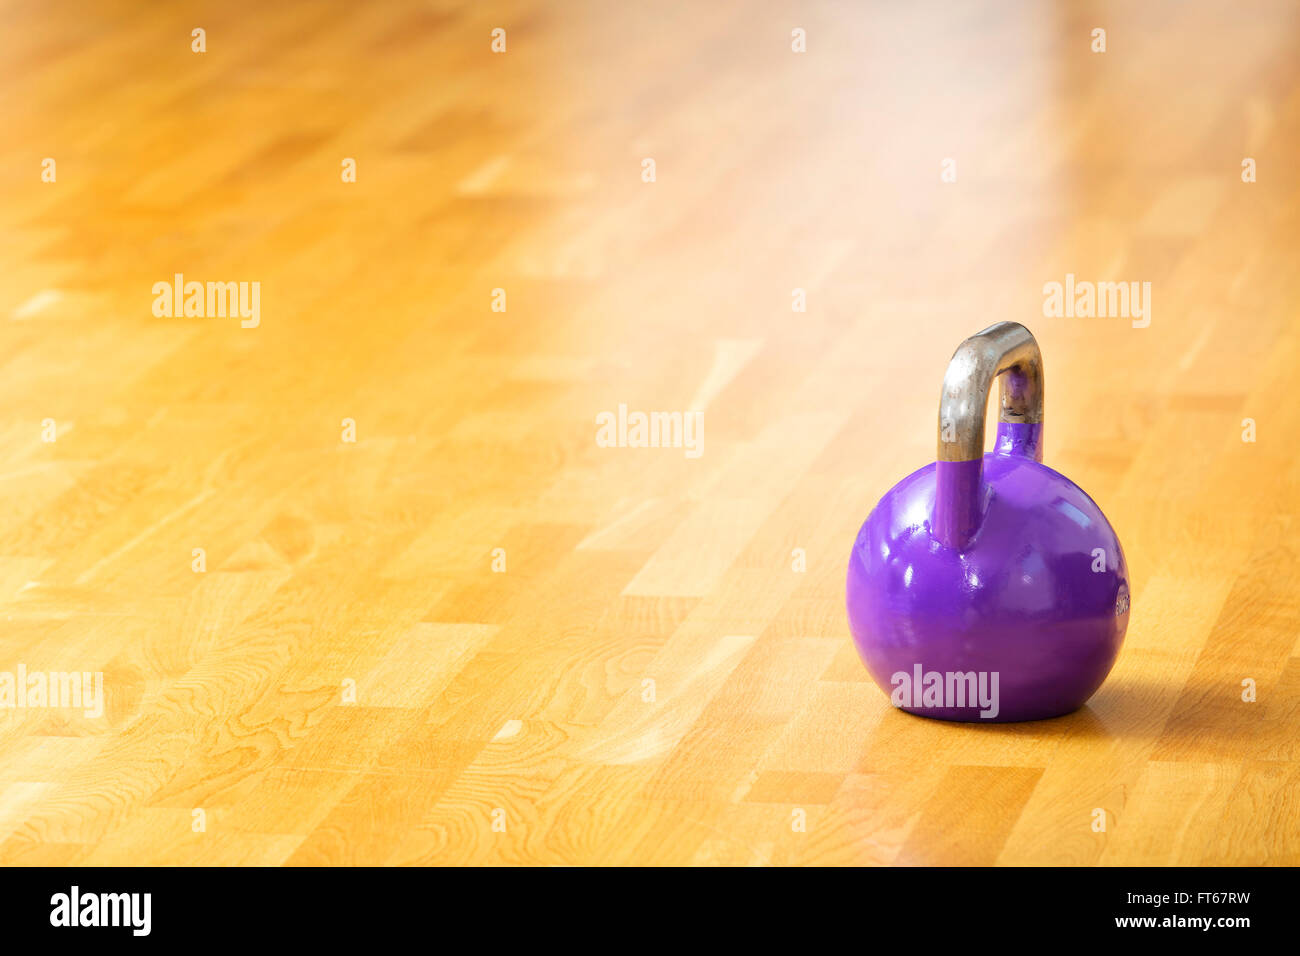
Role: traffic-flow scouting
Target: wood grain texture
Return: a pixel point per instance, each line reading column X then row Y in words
column 473, row 635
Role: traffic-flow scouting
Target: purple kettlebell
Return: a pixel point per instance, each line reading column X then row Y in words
column 988, row 587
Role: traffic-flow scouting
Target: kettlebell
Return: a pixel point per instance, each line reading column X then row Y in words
column 988, row 587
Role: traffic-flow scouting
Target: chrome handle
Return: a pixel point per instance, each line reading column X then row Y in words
column 1006, row 351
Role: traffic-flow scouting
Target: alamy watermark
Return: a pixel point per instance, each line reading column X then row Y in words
column 626, row 429
column 198, row 300
column 21, row 689
column 130, row 910
column 948, row 689
column 1086, row 300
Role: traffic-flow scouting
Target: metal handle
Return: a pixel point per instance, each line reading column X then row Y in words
column 1006, row 350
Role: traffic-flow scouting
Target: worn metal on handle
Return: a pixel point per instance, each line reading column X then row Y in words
column 1007, row 351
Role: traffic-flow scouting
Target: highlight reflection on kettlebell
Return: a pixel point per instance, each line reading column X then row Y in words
column 988, row 586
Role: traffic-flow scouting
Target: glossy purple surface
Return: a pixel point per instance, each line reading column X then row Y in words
column 959, row 572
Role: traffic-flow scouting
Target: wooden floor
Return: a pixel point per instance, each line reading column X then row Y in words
column 474, row 635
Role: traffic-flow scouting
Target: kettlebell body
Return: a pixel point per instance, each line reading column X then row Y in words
column 988, row 586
